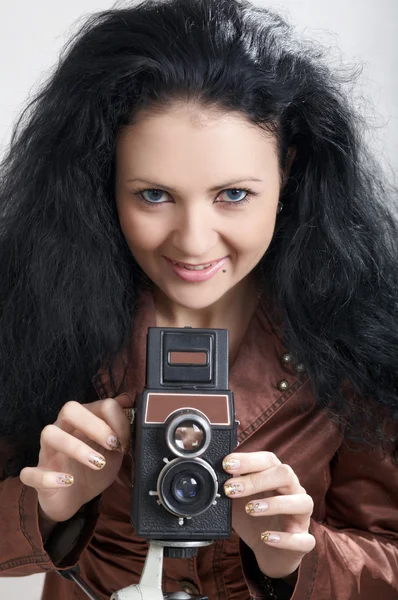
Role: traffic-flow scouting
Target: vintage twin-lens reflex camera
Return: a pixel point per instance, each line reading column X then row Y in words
column 184, row 426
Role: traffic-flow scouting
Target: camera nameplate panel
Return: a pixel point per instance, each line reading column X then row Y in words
column 160, row 405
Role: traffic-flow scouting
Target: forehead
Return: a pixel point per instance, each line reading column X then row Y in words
column 187, row 133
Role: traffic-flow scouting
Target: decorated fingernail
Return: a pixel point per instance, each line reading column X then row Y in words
column 255, row 507
column 96, row 460
column 230, row 464
column 233, row 488
column 64, row 479
column 270, row 537
column 113, row 443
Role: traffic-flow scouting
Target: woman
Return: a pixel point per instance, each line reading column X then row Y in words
column 191, row 163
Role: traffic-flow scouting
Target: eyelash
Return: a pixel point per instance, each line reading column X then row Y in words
column 245, row 200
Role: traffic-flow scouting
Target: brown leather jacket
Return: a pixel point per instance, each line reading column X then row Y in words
column 355, row 519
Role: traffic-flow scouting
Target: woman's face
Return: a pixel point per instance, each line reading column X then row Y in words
column 180, row 179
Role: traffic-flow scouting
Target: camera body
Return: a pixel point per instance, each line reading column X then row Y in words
column 184, row 426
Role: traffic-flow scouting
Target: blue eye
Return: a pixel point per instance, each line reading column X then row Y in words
column 155, row 196
column 235, row 193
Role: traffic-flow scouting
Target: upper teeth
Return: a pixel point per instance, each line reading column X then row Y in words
column 192, row 267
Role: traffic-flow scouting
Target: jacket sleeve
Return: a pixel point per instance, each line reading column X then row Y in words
column 22, row 551
column 356, row 552
column 21, row 546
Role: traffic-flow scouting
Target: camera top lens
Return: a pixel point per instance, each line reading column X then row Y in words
column 188, row 436
column 188, row 433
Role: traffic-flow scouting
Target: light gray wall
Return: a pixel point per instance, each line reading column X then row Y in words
column 33, row 32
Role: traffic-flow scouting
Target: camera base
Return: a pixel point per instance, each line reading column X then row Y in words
column 150, row 586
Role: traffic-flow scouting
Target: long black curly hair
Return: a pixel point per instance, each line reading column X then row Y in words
column 68, row 282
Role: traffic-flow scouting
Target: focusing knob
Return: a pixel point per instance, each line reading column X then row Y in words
column 180, row 552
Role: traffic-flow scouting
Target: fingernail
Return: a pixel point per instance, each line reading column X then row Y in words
column 255, row 507
column 270, row 537
column 233, row 488
column 64, row 479
column 97, row 460
column 230, row 464
column 113, row 443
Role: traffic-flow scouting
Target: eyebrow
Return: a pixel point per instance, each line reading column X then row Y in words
column 212, row 189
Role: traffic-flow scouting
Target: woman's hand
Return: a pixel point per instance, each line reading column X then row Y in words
column 270, row 511
column 80, row 456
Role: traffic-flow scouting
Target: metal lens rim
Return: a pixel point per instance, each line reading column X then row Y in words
column 170, row 506
column 195, row 417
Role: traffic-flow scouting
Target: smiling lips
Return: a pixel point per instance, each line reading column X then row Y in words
column 195, row 273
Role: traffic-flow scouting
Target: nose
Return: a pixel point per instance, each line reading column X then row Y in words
column 194, row 235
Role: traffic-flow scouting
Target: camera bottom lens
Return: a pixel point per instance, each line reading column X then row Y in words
column 187, row 487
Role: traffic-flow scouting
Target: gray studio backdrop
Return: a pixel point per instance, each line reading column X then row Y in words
column 358, row 31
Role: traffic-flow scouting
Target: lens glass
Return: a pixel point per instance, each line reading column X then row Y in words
column 186, row 487
column 189, row 436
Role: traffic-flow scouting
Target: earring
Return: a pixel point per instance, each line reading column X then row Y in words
column 280, row 207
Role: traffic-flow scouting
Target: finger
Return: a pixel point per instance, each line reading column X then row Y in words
column 280, row 478
column 297, row 504
column 300, row 506
column 114, row 411
column 40, row 479
column 295, row 542
column 53, row 439
column 124, row 400
column 101, row 421
column 111, row 411
column 249, row 462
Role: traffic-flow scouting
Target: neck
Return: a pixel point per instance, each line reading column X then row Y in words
column 233, row 311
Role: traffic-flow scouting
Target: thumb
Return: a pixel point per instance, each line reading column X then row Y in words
column 124, row 400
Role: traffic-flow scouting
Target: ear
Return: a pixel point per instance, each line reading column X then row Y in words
column 291, row 153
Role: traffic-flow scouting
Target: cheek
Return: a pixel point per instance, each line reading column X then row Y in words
column 253, row 235
column 142, row 233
